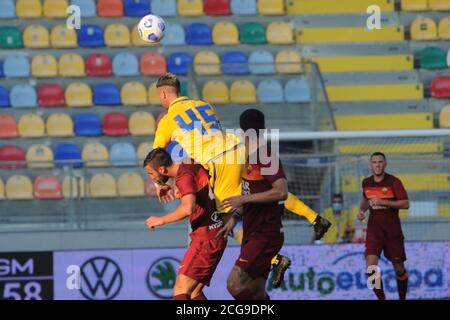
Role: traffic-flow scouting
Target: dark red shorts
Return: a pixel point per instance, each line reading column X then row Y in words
column 387, row 238
column 257, row 254
column 201, row 259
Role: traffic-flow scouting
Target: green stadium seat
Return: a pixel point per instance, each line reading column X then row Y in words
column 252, row 33
column 433, row 58
column 10, row 38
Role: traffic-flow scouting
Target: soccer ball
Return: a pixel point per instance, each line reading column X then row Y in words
column 151, row 28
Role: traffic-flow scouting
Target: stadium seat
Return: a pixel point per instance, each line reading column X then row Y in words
column 130, row 185
column 444, row 28
column 31, row 126
column 252, row 33
column 243, row 7
column 59, row 125
column 55, row 8
column 98, row 65
column 90, row 35
column 141, row 123
column 8, row 127
column 136, row 8
column 150, row 189
column 133, row 93
column 7, row 9
column 234, row 62
column 424, row 28
column 78, row 94
column 433, row 58
column 261, row 62
column 87, row 7
column 153, row 97
column 143, row 149
column 122, row 154
column 288, row 62
column 174, row 35
column 44, row 66
column 36, row 37
column 88, row 125
column 115, row 124
column 225, row 33
column 243, row 92
column 389, row 91
column 68, row 155
column 439, row 5
column 207, row 63
column 77, row 189
column 110, row 8
column 297, row 90
column 385, row 121
column 217, row 7
column 216, row 92
column 349, row 34
column 178, row 63
column 4, row 98
column 190, row 7
column 125, row 65
column 198, row 34
column 71, row 65
column 103, row 185
column 106, row 94
column 444, row 117
column 270, row 7
column 440, row 87
column 16, row 66
column 63, row 37
column 2, row 186
column 184, row 90
column 10, row 38
column 12, row 157
column 117, row 35
column 270, row 91
column 164, row 8
column 51, row 95
column 28, row 9
column 278, row 32
column 19, row 187
column 152, row 64
column 39, row 156
column 414, row 5
column 23, row 96
column 95, row 155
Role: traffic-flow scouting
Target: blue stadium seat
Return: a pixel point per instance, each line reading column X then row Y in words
column 125, row 64
column 2, row 73
column 88, row 7
column 106, row 94
column 90, row 35
column 297, row 90
column 164, row 8
column 122, row 154
column 23, row 96
column 69, row 154
column 4, row 98
column 136, row 8
column 261, row 62
column 270, row 91
column 179, row 62
column 174, row 35
column 16, row 66
column 243, row 7
column 198, row 34
column 88, row 124
column 7, row 9
column 234, row 62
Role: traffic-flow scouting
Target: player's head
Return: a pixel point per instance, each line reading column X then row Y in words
column 378, row 163
column 252, row 119
column 168, row 88
column 157, row 164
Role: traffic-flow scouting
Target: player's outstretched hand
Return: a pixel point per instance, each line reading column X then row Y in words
column 361, row 216
column 232, row 202
column 154, row 222
column 165, row 193
column 227, row 228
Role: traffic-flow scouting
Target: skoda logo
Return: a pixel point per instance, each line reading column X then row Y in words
column 101, row 279
column 161, row 277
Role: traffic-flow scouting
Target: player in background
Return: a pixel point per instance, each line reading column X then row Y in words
column 383, row 195
column 196, row 202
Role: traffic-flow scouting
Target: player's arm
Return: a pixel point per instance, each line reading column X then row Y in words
column 396, row 204
column 363, row 207
column 185, row 209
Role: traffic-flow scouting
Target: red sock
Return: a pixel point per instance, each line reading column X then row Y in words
column 402, row 285
column 244, row 295
column 380, row 292
column 183, row 296
column 201, row 296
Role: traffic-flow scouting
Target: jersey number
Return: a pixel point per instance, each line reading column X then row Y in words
column 196, row 123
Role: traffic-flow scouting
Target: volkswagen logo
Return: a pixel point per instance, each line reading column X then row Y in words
column 161, row 277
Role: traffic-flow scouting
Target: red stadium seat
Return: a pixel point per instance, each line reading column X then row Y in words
column 12, row 153
column 440, row 87
column 110, row 8
column 115, row 124
column 98, row 65
column 47, row 187
column 152, row 64
column 217, row 7
column 150, row 188
column 8, row 127
column 51, row 95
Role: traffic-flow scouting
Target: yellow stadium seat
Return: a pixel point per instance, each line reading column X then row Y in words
column 153, row 97
column 78, row 94
column 444, row 117
column 39, row 156
column 137, row 41
column 270, row 7
column 26, row 9
column 439, row 5
column 385, row 121
column 288, row 61
column 389, row 149
column 336, row 7
column 36, row 37
column 278, row 32
column 95, row 155
column 71, row 65
column 59, row 125
column 424, row 29
column 243, row 92
column 349, row 34
column 133, row 93
column 44, row 66
column 444, row 29
column 425, row 181
column 55, row 8
column 444, row 210
column 117, row 35
column 63, row 37
column 131, row 185
column 190, row 7
column 31, row 126
column 19, row 188
column 408, row 91
column 103, row 185
column 225, row 33
column 207, row 63
column 143, row 149
column 2, row 190
column 141, row 123
column 216, row 92
column 78, row 187
column 414, row 5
